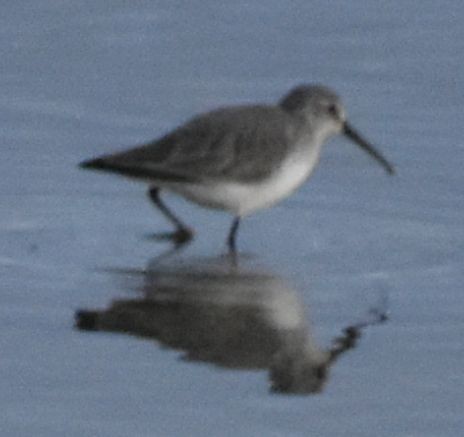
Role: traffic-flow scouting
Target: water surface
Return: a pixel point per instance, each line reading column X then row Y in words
column 83, row 79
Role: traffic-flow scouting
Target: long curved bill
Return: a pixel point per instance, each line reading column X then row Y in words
column 354, row 136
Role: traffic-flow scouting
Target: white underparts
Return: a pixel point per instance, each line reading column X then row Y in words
column 245, row 198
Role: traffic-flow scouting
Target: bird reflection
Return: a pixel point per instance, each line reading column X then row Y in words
column 233, row 315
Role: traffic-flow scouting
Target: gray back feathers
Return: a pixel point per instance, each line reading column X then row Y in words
column 245, row 143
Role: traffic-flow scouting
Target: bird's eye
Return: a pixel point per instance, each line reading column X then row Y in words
column 332, row 110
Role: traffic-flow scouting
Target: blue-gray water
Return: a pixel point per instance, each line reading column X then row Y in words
column 82, row 78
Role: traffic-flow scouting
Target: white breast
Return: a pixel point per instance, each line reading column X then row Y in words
column 252, row 197
column 245, row 198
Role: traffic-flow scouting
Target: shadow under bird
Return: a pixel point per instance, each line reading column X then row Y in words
column 212, row 311
column 239, row 158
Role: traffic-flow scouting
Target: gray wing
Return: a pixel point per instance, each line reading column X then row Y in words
column 239, row 143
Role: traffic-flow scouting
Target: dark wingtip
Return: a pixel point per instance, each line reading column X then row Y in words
column 92, row 164
column 86, row 320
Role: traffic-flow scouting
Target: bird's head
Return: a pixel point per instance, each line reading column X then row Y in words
column 323, row 112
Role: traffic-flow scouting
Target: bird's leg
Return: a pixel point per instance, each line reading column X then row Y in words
column 232, row 235
column 183, row 233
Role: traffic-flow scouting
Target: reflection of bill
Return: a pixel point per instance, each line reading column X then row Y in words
column 216, row 312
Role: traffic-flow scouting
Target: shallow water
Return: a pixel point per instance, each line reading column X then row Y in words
column 83, row 79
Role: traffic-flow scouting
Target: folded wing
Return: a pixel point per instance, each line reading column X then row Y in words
column 239, row 143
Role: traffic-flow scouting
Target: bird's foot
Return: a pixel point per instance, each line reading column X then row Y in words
column 179, row 237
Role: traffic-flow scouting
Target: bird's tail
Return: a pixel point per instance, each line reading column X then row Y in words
column 86, row 320
column 96, row 164
column 138, row 170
